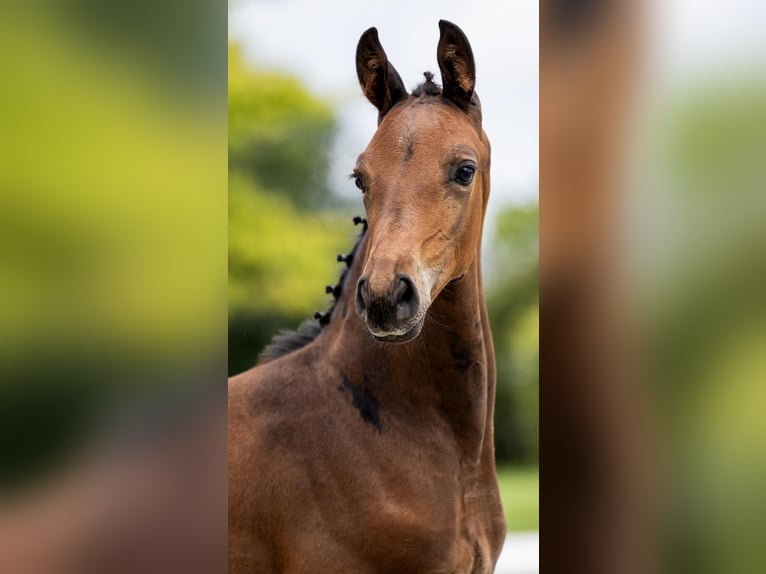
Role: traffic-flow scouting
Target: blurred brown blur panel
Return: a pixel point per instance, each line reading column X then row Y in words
column 591, row 440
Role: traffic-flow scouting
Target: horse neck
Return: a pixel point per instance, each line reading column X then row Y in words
column 448, row 371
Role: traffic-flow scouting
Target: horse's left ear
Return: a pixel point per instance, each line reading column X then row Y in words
column 379, row 80
column 456, row 63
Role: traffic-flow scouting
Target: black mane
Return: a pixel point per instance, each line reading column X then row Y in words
column 427, row 88
column 287, row 341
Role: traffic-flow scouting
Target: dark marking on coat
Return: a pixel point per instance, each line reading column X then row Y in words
column 406, row 144
column 462, row 356
column 363, row 401
column 409, row 150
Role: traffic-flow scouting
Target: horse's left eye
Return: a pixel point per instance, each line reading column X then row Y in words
column 464, row 174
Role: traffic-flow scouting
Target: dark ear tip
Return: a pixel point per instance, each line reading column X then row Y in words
column 370, row 33
column 447, row 26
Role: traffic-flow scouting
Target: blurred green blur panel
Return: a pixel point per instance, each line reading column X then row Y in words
column 113, row 174
column 704, row 280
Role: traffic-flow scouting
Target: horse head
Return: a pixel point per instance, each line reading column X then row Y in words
column 424, row 179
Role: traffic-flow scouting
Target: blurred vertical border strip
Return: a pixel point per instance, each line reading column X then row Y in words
column 592, row 418
column 652, row 316
column 113, row 211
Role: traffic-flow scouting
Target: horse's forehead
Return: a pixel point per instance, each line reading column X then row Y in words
column 424, row 122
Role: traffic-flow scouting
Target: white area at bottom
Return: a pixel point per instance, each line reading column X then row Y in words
column 520, row 555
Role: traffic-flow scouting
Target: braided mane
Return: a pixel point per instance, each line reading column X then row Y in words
column 428, row 87
column 287, row 341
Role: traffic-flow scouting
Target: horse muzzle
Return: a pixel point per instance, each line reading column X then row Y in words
column 393, row 314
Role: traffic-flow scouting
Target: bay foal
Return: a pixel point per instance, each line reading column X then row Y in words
column 367, row 446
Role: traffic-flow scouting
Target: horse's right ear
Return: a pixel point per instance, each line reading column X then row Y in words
column 456, row 63
column 380, row 82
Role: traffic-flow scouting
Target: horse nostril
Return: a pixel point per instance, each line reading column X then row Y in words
column 362, row 296
column 405, row 298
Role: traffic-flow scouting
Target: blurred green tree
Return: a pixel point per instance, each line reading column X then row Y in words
column 512, row 300
column 282, row 237
column 279, row 134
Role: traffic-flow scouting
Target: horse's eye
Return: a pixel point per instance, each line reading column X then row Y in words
column 464, row 174
column 359, row 183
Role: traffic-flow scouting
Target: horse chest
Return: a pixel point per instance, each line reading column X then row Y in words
column 443, row 541
column 403, row 499
column 405, row 518
column 390, row 534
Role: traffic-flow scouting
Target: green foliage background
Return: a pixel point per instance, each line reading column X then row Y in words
column 285, row 227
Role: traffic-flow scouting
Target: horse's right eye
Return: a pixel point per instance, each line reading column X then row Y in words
column 464, row 174
column 359, row 182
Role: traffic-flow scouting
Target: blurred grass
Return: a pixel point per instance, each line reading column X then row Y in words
column 519, row 491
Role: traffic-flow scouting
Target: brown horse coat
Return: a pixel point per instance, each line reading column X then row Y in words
column 370, row 449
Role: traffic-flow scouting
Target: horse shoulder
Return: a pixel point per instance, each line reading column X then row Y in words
column 263, row 477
